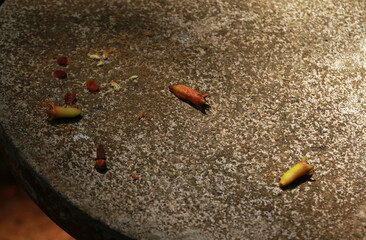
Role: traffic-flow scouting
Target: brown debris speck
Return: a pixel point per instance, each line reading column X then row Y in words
column 135, row 177
column 69, row 130
column 120, row 39
column 269, row 174
column 143, row 115
column 149, row 34
column 106, row 52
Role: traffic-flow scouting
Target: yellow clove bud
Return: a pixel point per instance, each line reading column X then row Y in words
column 299, row 170
column 54, row 111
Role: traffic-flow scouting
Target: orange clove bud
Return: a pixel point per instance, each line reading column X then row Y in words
column 299, row 170
column 187, row 93
column 54, row 111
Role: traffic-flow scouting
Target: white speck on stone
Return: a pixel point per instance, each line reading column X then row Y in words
column 362, row 214
column 80, row 136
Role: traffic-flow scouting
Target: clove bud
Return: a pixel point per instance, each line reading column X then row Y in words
column 54, row 111
column 100, row 162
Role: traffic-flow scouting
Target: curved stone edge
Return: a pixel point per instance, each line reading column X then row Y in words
column 66, row 215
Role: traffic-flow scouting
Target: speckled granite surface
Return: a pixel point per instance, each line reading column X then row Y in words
column 285, row 78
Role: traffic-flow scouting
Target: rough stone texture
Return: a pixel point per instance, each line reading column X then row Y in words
column 285, row 78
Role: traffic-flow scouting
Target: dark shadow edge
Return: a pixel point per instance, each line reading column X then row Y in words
column 68, row 216
column 298, row 182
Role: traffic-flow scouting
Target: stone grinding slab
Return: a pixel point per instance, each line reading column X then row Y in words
column 285, row 78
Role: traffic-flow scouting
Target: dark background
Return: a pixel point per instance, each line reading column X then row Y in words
column 20, row 217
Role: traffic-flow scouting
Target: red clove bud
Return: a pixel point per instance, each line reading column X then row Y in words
column 100, row 152
column 100, row 162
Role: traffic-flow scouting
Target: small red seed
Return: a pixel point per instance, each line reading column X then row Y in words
column 92, row 86
column 60, row 74
column 62, row 61
column 70, row 98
